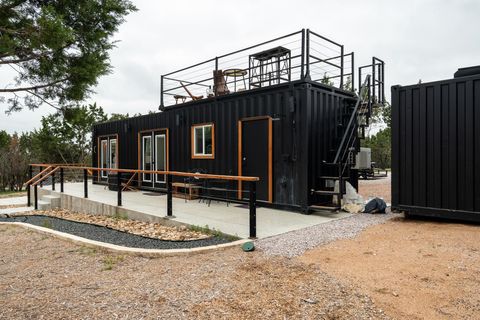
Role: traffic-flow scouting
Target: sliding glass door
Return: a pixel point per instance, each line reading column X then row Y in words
column 107, row 155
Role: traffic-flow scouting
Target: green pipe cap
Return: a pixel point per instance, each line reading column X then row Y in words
column 248, row 246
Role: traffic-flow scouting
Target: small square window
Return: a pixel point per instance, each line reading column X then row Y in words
column 203, row 141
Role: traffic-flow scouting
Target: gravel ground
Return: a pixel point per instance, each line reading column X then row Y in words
column 47, row 278
column 108, row 235
column 296, row 242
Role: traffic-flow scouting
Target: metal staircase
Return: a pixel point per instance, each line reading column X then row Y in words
column 336, row 172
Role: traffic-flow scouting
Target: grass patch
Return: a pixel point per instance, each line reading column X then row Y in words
column 87, row 251
column 47, row 224
column 213, row 232
column 110, row 261
column 120, row 216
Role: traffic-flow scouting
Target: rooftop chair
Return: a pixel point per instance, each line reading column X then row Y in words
column 189, row 93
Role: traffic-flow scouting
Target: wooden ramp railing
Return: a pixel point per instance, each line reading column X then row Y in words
column 49, row 170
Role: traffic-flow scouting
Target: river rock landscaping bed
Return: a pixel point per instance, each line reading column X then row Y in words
column 120, row 223
column 109, row 235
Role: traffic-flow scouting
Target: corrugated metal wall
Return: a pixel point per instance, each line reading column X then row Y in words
column 436, row 148
column 294, row 113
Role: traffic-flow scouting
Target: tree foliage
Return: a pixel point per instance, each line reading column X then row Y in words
column 380, row 143
column 58, row 48
column 65, row 137
column 13, row 164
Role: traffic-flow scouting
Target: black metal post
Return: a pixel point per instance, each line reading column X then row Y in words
column 169, row 195
column 41, row 176
column 161, row 92
column 216, row 64
column 36, row 197
column 30, row 175
column 353, row 72
column 53, row 181
column 253, row 208
column 302, row 67
column 373, row 78
column 307, row 56
column 61, row 179
column 340, row 183
column 85, row 183
column 341, row 66
column 119, row 191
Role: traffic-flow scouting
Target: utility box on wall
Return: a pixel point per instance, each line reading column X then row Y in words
column 436, row 147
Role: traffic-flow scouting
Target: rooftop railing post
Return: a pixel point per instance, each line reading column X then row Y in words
column 119, row 189
column 353, row 72
column 373, row 78
column 216, row 63
column 30, row 175
column 161, row 92
column 53, row 181
column 85, row 183
column 253, row 208
column 302, row 67
column 307, row 56
column 41, row 176
column 341, row 66
column 61, row 179
column 35, row 191
column 169, row 196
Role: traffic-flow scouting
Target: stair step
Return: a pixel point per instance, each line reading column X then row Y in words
column 44, row 205
column 329, row 208
column 53, row 200
column 333, row 178
column 327, row 192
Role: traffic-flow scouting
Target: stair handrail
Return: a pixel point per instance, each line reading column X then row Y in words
column 46, row 176
column 38, row 175
column 353, row 117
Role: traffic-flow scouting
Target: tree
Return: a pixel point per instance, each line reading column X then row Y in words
column 4, row 139
column 65, row 136
column 13, row 165
column 380, row 143
column 57, row 48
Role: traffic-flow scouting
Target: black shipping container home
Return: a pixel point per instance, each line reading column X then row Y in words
column 284, row 110
column 436, row 147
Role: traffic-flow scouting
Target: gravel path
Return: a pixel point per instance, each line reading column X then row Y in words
column 108, row 235
column 296, row 242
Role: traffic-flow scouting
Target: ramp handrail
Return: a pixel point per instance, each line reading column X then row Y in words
column 252, row 200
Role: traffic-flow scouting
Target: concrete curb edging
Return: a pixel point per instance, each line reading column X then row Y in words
column 127, row 250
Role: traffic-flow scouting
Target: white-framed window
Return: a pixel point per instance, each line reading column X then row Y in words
column 203, row 141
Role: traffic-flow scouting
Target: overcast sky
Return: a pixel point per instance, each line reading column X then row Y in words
column 425, row 40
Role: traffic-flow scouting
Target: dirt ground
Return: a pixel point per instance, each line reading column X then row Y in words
column 411, row 269
column 45, row 277
column 378, row 187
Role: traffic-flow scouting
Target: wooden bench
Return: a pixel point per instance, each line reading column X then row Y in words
column 190, row 190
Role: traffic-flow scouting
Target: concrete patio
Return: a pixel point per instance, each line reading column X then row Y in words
column 233, row 220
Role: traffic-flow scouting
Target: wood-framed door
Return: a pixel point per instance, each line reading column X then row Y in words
column 153, row 154
column 107, row 147
column 255, row 154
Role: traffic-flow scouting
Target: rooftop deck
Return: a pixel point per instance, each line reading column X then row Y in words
column 297, row 56
column 231, row 220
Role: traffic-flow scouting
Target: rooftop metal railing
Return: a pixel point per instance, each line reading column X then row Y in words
column 300, row 55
